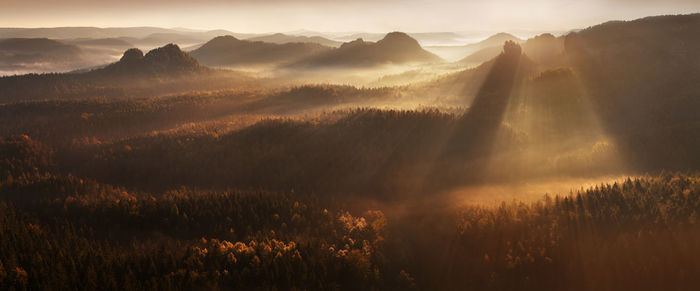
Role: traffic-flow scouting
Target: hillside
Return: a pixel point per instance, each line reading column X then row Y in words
column 280, row 38
column 424, row 38
column 166, row 60
column 160, row 71
column 558, row 163
column 544, row 48
column 496, row 39
column 230, row 51
column 394, row 48
column 481, row 56
column 459, row 52
column 100, row 42
column 28, row 54
column 644, row 80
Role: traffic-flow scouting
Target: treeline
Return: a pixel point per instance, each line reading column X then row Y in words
column 365, row 151
column 61, row 231
column 188, row 241
column 54, row 86
column 68, row 122
column 69, row 232
column 636, row 234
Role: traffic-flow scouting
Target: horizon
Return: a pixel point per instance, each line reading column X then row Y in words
column 414, row 16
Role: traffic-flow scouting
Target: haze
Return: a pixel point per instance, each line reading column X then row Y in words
column 336, row 15
column 350, row 145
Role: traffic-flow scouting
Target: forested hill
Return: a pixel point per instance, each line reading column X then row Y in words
column 644, row 79
column 230, row 51
column 162, row 70
column 394, row 48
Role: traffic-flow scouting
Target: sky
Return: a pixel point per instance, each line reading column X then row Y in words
column 260, row 16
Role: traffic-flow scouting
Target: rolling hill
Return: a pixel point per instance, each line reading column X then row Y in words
column 394, row 48
column 28, row 54
column 424, row 38
column 493, row 42
column 169, row 60
column 644, row 79
column 545, row 48
column 100, row 42
column 164, row 70
column 230, row 51
column 280, row 38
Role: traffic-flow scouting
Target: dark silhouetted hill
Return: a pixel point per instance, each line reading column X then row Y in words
column 164, row 70
column 163, row 38
column 394, row 48
column 167, row 60
column 644, row 77
column 230, row 51
column 546, row 49
column 425, row 38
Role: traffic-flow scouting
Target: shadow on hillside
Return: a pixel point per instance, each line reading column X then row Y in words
column 466, row 154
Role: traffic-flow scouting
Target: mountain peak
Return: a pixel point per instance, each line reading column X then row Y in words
column 399, row 39
column 170, row 58
column 354, row 43
column 167, row 51
column 163, row 60
column 397, row 35
column 132, row 55
column 499, row 39
column 394, row 48
column 502, row 35
column 223, row 38
column 511, row 48
column 221, row 42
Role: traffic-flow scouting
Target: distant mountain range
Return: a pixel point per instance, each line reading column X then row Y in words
column 104, row 45
column 22, row 54
column 112, row 32
column 394, row 48
column 230, row 51
column 100, row 42
column 424, row 38
column 280, row 38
